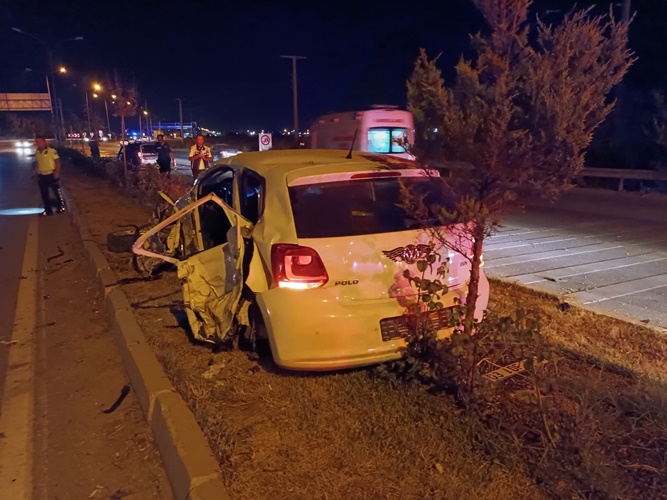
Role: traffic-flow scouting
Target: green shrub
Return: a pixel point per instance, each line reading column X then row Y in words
column 143, row 184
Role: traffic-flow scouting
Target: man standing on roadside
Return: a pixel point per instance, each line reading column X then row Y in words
column 94, row 148
column 165, row 156
column 200, row 156
column 47, row 168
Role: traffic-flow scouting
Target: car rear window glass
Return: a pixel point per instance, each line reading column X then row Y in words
column 149, row 148
column 368, row 206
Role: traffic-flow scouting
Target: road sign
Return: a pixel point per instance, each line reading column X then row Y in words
column 265, row 142
column 25, row 102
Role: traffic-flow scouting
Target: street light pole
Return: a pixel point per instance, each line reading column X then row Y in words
column 295, row 95
column 87, row 110
column 48, row 92
column 55, row 94
column 49, row 50
column 106, row 108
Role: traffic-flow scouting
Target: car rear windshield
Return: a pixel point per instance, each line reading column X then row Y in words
column 368, row 206
column 149, row 148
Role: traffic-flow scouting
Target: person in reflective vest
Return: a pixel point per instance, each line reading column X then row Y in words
column 47, row 168
column 200, row 156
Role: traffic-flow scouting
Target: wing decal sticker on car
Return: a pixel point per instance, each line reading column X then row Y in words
column 408, row 254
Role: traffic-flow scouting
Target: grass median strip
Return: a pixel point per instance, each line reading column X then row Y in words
column 355, row 435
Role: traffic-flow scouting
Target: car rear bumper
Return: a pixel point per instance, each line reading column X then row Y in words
column 308, row 331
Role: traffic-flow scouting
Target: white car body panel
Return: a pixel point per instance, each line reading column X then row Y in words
column 336, row 325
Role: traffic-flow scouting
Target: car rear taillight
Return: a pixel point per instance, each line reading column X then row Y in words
column 139, row 155
column 297, row 267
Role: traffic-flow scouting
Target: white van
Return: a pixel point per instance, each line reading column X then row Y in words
column 381, row 130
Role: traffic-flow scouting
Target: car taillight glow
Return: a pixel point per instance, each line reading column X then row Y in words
column 297, row 267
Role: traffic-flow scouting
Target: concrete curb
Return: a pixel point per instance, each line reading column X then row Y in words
column 191, row 467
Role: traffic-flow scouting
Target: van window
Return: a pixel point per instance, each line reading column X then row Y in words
column 369, row 206
column 387, row 140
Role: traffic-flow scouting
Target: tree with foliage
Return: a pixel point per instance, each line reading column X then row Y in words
column 125, row 103
column 519, row 116
column 26, row 125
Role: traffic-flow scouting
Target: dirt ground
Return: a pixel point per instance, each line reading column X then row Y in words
column 355, row 435
column 81, row 452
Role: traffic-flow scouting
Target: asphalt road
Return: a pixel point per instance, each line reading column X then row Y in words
column 59, row 365
column 605, row 251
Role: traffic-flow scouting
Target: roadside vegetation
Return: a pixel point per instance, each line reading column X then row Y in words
column 374, row 434
column 583, row 412
column 520, row 116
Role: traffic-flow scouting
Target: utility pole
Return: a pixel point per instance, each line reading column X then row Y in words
column 295, row 95
column 619, row 113
column 180, row 114
column 626, row 11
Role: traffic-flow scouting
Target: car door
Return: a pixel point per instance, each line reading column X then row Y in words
column 212, row 279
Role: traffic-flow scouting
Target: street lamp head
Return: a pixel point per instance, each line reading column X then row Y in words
column 77, row 38
column 95, row 95
column 128, row 103
column 97, row 86
column 114, row 96
column 62, row 70
column 145, row 112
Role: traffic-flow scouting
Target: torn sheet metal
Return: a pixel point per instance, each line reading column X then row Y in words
column 212, row 285
column 212, row 280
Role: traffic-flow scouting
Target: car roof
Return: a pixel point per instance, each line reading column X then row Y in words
column 290, row 164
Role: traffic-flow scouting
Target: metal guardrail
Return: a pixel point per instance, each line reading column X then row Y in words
column 450, row 169
column 623, row 174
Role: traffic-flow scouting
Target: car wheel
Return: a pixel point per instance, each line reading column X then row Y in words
column 122, row 241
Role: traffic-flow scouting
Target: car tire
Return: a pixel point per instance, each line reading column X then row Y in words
column 122, row 241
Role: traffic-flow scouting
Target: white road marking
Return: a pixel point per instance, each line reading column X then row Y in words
column 493, row 248
column 16, row 420
column 555, row 254
column 564, row 236
column 619, row 290
column 585, row 269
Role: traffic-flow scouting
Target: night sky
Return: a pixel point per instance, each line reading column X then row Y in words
column 223, row 57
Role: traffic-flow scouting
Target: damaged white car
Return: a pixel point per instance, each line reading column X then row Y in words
column 307, row 249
